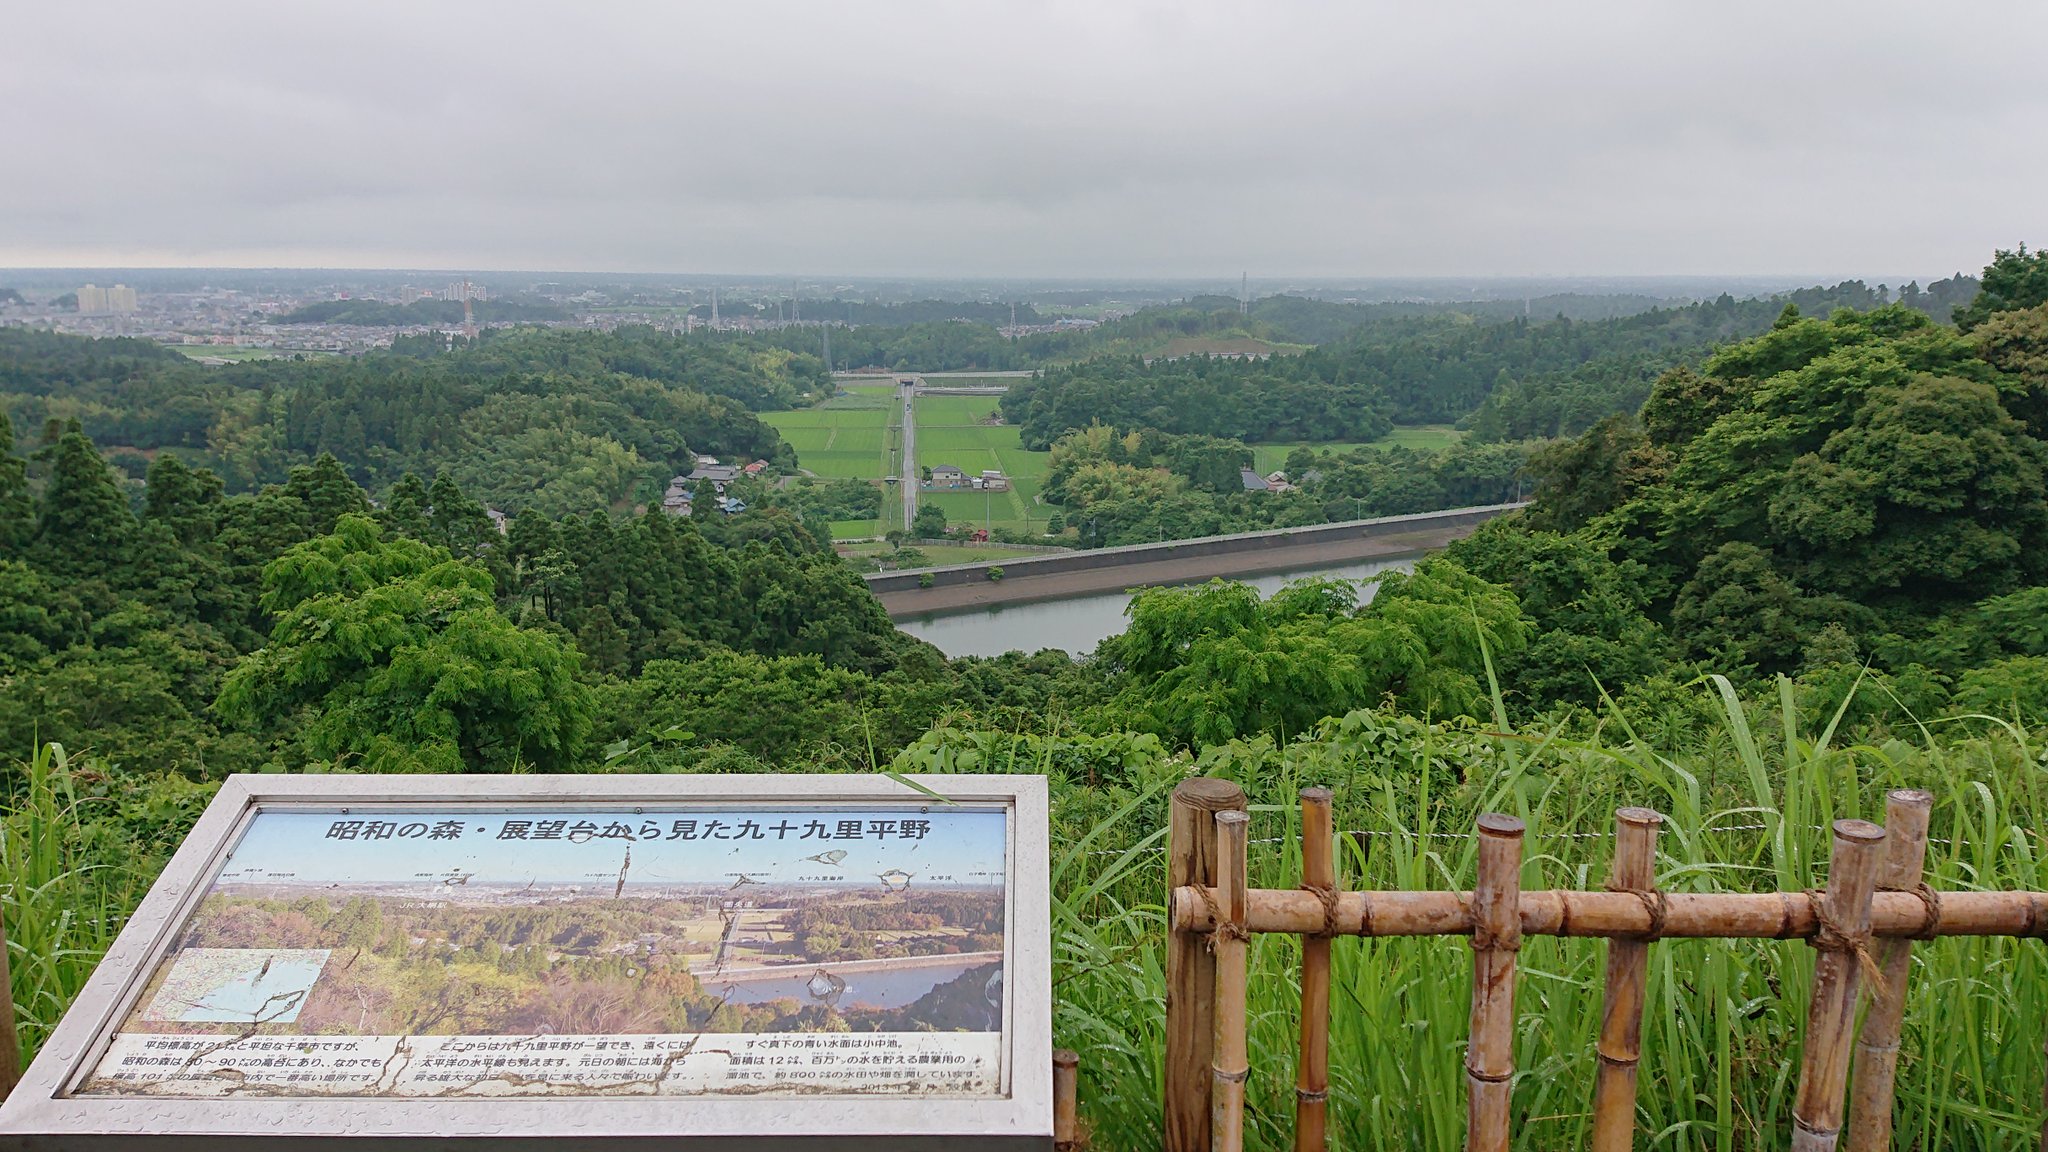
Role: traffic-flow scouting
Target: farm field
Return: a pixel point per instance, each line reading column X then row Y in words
column 1428, row 437
column 837, row 442
column 950, row 430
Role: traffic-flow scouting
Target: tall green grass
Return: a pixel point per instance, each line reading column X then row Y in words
column 68, row 887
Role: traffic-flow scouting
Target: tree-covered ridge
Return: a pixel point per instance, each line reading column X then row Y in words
column 553, row 420
column 1507, row 377
column 1273, row 398
column 1867, row 486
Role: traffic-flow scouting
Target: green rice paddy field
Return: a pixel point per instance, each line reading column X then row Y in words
column 953, row 430
column 855, row 436
column 837, row 442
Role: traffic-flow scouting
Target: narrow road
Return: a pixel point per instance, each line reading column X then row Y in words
column 908, row 469
column 731, row 937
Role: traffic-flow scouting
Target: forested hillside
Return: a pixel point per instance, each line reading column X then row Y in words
column 210, row 633
column 1509, row 377
column 1277, row 398
column 558, row 421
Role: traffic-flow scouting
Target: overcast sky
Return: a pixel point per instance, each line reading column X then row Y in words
column 1096, row 138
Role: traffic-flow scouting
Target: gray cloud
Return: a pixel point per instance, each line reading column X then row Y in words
column 1020, row 139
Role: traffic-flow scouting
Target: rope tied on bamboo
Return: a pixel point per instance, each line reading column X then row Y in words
column 1327, row 893
column 1655, row 903
column 1930, row 900
column 1828, row 936
column 1224, row 928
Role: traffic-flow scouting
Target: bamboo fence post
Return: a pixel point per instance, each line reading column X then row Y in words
column 1621, row 1019
column 1877, row 1049
column 1318, row 875
column 1190, row 969
column 1496, row 937
column 1066, row 1121
column 1843, row 912
column 10, row 1041
column 1231, row 1064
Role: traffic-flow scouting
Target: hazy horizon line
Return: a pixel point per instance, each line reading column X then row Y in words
column 1089, row 278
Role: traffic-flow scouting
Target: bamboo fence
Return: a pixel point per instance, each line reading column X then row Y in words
column 1862, row 925
column 10, row 1040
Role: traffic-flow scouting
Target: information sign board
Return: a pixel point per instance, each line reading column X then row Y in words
column 803, row 961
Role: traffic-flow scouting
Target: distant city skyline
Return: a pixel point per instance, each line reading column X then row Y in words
column 1065, row 140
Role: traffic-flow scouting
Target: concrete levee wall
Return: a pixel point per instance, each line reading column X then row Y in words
column 883, row 583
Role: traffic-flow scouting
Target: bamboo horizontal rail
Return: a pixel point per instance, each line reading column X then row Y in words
column 1686, row 915
column 1861, row 928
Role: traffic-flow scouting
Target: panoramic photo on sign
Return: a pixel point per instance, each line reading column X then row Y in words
column 444, row 952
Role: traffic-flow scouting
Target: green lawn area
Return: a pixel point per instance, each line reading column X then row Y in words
column 855, row 529
column 1431, row 437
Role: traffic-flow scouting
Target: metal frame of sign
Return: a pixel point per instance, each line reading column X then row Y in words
column 43, row 1114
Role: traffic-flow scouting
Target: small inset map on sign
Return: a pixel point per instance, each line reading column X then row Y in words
column 237, row 985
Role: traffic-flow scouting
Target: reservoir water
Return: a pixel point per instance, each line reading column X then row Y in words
column 1079, row 623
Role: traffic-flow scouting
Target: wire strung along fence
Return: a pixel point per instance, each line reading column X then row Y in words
column 1862, row 926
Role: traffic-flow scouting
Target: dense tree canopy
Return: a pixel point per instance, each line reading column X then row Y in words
column 555, row 420
column 392, row 656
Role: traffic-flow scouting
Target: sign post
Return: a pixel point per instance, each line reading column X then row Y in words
column 781, row 961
